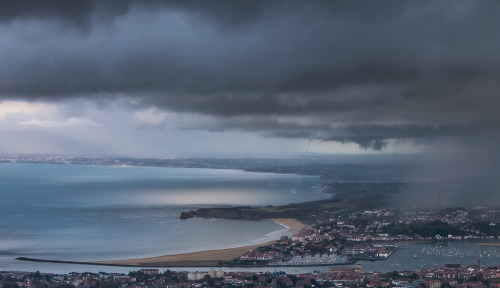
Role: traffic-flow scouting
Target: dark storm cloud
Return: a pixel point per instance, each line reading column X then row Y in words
column 74, row 11
column 80, row 12
column 331, row 70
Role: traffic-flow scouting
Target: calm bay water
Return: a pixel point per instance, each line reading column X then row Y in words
column 84, row 213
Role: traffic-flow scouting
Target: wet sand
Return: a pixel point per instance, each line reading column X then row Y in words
column 201, row 258
column 293, row 225
column 489, row 244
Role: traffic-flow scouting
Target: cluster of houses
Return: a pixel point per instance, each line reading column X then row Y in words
column 453, row 275
column 370, row 225
column 359, row 236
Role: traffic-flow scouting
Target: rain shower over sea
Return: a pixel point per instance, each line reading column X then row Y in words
column 84, row 213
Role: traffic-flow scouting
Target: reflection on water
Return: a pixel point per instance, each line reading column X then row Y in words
column 208, row 196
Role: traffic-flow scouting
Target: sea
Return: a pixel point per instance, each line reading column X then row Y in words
column 86, row 213
column 89, row 213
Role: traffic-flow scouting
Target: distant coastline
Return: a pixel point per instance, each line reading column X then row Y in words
column 326, row 167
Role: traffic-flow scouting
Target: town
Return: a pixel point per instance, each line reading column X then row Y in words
column 453, row 275
column 372, row 234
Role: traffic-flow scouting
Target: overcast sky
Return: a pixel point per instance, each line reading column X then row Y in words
column 205, row 78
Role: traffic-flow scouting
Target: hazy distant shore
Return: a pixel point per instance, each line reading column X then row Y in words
column 206, row 258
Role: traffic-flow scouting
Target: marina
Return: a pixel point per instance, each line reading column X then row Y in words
column 421, row 255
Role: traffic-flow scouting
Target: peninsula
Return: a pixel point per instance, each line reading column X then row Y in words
column 306, row 212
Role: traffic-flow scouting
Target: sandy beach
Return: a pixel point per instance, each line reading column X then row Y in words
column 489, row 244
column 202, row 258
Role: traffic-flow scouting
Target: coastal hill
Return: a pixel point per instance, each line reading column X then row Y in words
column 306, row 212
column 347, row 197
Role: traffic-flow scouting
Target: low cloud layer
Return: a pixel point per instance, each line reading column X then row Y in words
column 343, row 71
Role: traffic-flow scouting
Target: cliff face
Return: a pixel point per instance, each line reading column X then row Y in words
column 224, row 213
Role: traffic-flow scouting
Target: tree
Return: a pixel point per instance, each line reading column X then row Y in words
column 394, row 274
column 280, row 284
column 478, row 277
column 66, row 285
column 209, row 280
column 9, row 285
column 168, row 273
column 107, row 284
column 36, row 275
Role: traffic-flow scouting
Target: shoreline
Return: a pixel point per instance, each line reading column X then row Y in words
column 488, row 244
column 206, row 258
column 294, row 226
